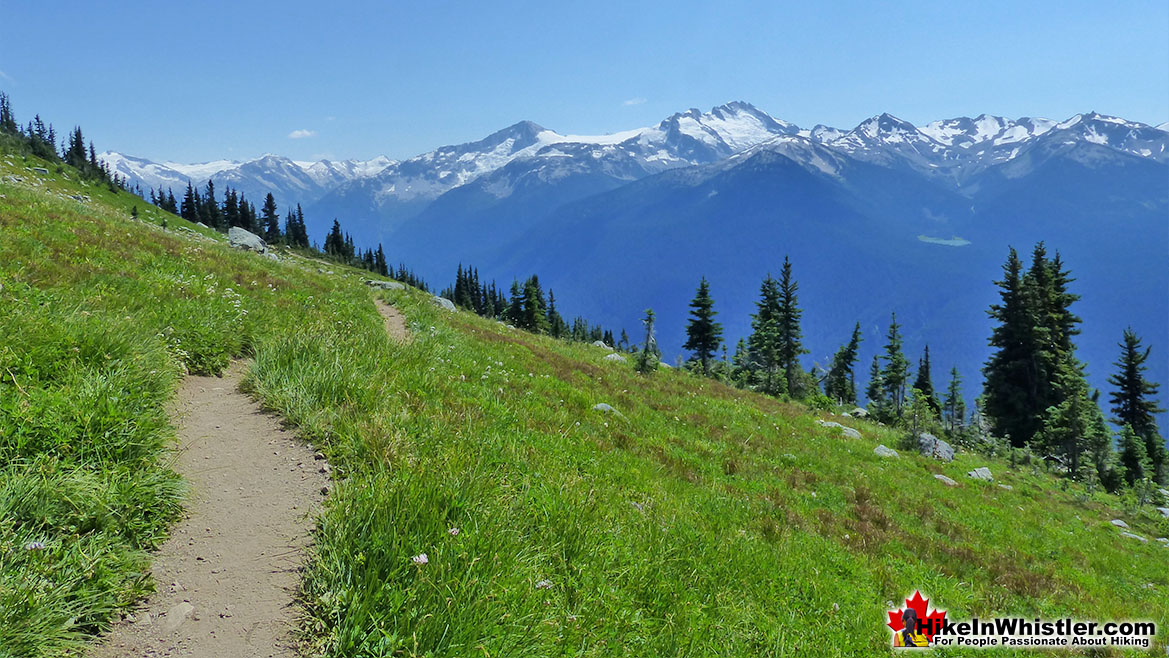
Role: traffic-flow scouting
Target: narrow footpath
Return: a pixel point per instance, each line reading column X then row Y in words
column 227, row 576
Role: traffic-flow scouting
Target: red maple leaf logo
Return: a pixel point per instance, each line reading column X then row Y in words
column 931, row 623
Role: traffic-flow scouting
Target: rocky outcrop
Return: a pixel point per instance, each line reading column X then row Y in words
column 246, row 240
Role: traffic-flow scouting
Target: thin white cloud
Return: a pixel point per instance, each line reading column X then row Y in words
column 302, row 134
column 634, row 101
column 5, row 76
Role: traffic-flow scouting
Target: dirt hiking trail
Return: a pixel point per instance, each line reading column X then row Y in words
column 395, row 322
column 227, row 576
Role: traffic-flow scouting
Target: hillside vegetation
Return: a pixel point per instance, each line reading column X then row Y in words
column 700, row 520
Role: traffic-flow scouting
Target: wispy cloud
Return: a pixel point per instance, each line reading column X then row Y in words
column 302, row 134
column 7, row 78
column 634, row 101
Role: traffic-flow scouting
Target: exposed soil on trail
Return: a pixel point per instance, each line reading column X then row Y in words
column 228, row 574
column 395, row 322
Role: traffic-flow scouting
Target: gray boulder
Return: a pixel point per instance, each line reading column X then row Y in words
column 271, row 256
column 949, row 482
column 882, row 451
column 617, row 358
column 1136, row 537
column 860, row 412
column 981, row 473
column 445, row 303
column 601, row 343
column 40, row 170
column 847, row 431
column 932, row 446
column 1119, row 524
column 202, row 224
column 246, row 240
column 606, row 409
column 1163, row 540
column 1006, row 487
column 1164, row 511
column 385, row 285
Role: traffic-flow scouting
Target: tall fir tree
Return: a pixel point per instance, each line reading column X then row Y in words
column 1133, row 457
column 764, row 341
column 895, row 373
column 791, row 336
column 924, row 382
column 703, row 334
column 954, row 407
column 647, row 358
column 1134, row 402
column 840, row 382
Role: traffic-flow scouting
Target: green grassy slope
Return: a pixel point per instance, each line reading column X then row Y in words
column 702, row 521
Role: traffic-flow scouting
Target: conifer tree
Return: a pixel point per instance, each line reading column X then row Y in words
column 1134, row 402
column 924, row 382
column 703, row 334
column 895, row 373
column 1133, row 457
column 790, row 345
column 380, row 261
column 557, row 328
column 875, row 391
column 515, row 304
column 954, row 407
column 1010, row 375
column 840, row 382
column 764, row 340
column 534, row 311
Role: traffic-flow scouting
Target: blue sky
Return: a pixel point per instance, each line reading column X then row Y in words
column 200, row 81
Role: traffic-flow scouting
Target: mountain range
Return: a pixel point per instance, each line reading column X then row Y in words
column 884, row 217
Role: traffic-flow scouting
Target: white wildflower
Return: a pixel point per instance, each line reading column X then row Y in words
column 420, row 559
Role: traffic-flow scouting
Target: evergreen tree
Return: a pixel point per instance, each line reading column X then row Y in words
column 1011, row 378
column 790, row 346
column 380, row 261
column 703, row 334
column 623, row 345
column 534, row 308
column 954, row 407
column 1068, row 427
column 875, row 391
column 335, row 242
column 189, row 209
column 515, row 304
column 764, row 341
column 840, row 382
column 924, row 382
column 270, row 218
column 895, row 374
column 1134, row 402
column 1133, row 457
column 557, row 327
column 210, row 209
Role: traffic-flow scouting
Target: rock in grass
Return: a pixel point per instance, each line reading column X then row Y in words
column 949, row 482
column 847, row 431
column 385, row 285
column 882, row 451
column 246, row 240
column 40, row 170
column 932, row 446
column 859, row 412
column 1163, row 540
column 606, row 409
column 1164, row 511
column 601, row 343
column 1119, row 524
column 1136, row 537
column 445, row 303
column 981, row 473
column 615, row 358
column 1006, row 487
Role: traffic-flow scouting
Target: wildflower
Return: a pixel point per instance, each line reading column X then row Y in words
column 454, row 532
column 35, row 546
column 420, row 559
column 544, row 584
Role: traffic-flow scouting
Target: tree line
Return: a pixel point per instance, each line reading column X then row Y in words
column 525, row 306
column 39, row 139
column 1035, row 394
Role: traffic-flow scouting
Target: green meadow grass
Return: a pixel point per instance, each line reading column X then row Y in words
column 702, row 521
